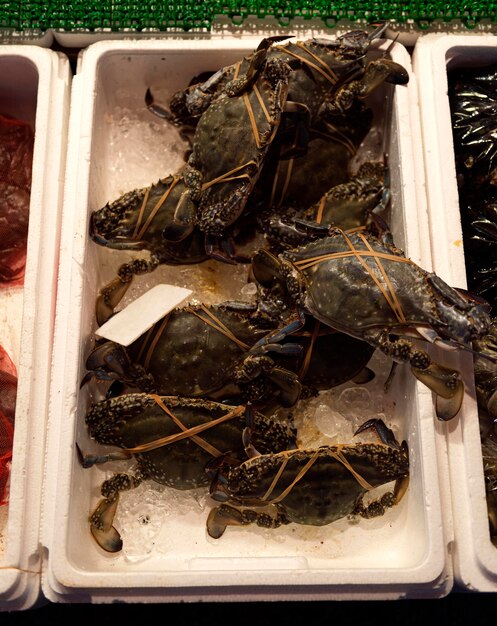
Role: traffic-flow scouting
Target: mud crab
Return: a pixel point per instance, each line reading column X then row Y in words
column 203, row 351
column 327, row 74
column 231, row 140
column 315, row 487
column 136, row 221
column 369, row 289
column 172, row 440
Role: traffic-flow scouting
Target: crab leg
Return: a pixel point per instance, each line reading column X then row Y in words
column 101, row 527
column 89, row 460
column 102, row 517
column 447, row 386
column 389, row 499
column 225, row 515
column 443, row 381
column 110, row 295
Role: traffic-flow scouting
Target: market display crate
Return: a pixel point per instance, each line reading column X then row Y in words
column 475, row 556
column 34, row 88
column 115, row 145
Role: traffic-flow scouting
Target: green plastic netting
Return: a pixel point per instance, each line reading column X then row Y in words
column 119, row 15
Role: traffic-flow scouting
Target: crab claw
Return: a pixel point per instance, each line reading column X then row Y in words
column 448, row 386
column 447, row 409
column 250, row 449
column 381, row 71
column 265, row 267
column 400, row 488
column 111, row 356
column 288, row 384
column 89, row 460
column 158, row 109
column 218, row 489
column 384, row 433
column 220, row 517
column 101, row 527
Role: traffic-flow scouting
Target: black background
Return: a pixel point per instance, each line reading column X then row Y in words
column 456, row 608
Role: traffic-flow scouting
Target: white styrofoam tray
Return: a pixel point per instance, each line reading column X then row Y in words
column 34, row 86
column 404, row 554
column 475, row 558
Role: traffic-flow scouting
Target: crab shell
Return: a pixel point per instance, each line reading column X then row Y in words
column 135, row 419
column 343, row 292
column 190, row 356
column 199, row 351
column 327, row 491
column 230, row 143
column 136, row 221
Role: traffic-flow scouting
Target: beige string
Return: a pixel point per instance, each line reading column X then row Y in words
column 253, row 123
column 390, row 295
column 329, row 74
column 154, row 342
column 255, row 89
column 155, row 210
column 227, row 175
column 338, row 456
column 339, row 137
column 250, row 111
column 341, row 458
column 187, row 433
column 394, row 303
column 288, row 176
column 299, row 477
column 319, row 215
column 327, row 68
column 216, row 323
column 142, row 209
column 275, row 479
column 307, row 359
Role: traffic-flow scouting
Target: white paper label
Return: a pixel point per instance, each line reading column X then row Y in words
column 141, row 314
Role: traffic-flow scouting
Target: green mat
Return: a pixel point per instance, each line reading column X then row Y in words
column 119, row 15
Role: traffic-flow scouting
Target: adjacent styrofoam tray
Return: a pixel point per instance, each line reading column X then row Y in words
column 475, row 557
column 403, row 555
column 34, row 86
